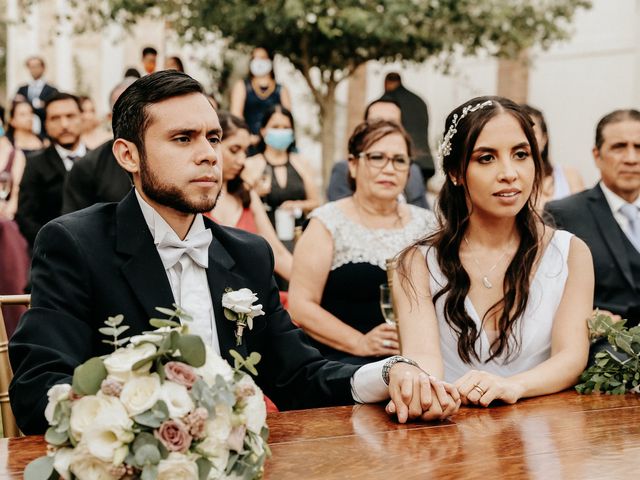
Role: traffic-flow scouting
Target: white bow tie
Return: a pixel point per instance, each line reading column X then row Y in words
column 171, row 249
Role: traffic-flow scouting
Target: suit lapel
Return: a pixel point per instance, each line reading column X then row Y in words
column 143, row 270
column 55, row 163
column 610, row 231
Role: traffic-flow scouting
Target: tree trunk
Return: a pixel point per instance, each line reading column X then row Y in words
column 328, row 133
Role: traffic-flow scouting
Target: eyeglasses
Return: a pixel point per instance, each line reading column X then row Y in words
column 379, row 160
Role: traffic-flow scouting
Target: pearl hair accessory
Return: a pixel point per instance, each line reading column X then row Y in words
column 445, row 146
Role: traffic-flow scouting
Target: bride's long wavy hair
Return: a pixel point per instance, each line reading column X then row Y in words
column 453, row 217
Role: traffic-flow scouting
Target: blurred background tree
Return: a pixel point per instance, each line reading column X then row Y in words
column 327, row 40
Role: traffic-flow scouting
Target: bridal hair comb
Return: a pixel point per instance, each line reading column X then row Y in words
column 445, row 146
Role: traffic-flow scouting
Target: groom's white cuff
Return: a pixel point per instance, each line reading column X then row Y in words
column 367, row 385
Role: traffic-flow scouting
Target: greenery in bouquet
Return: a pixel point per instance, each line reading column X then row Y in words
column 161, row 406
column 615, row 370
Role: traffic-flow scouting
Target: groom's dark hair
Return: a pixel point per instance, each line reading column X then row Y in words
column 130, row 117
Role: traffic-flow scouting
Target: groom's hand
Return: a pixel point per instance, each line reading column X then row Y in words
column 414, row 394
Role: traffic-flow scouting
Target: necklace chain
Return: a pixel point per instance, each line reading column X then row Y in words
column 485, row 277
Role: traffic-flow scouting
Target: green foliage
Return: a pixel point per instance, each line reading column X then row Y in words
column 40, row 469
column 114, row 329
column 154, row 416
column 616, row 371
column 248, row 363
column 88, row 377
column 192, row 350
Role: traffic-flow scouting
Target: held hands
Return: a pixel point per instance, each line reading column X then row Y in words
column 378, row 342
column 414, row 394
column 481, row 388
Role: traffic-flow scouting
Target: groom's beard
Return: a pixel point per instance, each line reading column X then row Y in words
column 170, row 195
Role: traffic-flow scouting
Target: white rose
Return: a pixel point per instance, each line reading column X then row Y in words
column 214, row 365
column 119, row 364
column 56, row 394
column 87, row 467
column 107, row 443
column 156, row 336
column 240, row 301
column 255, row 410
column 217, row 430
column 61, row 462
column 177, row 467
column 219, row 459
column 94, row 410
column 177, row 399
column 139, row 394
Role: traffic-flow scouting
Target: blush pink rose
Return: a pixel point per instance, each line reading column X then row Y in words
column 180, row 373
column 235, row 441
column 174, row 435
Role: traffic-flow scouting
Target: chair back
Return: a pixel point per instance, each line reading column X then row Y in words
column 9, row 425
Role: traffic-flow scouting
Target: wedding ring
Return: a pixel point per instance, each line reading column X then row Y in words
column 386, row 343
column 478, row 388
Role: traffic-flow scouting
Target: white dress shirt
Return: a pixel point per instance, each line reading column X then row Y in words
column 188, row 279
column 191, row 291
column 34, row 89
column 70, row 156
column 615, row 203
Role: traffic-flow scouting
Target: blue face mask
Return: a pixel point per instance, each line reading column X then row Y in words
column 279, row 138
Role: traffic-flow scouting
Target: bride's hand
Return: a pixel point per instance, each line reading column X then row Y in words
column 481, row 388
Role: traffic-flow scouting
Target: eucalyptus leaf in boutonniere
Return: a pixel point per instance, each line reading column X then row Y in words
column 616, row 370
column 239, row 307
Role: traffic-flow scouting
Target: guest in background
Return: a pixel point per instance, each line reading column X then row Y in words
column 97, row 177
column 252, row 97
column 238, row 206
column 93, row 135
column 493, row 300
column 281, row 177
column 12, row 162
column 415, row 119
column 339, row 262
column 149, row 59
column 20, row 131
column 173, row 63
column 37, row 91
column 385, row 108
column 132, row 73
column 40, row 198
column 558, row 182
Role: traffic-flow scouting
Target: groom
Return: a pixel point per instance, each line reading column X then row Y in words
column 155, row 248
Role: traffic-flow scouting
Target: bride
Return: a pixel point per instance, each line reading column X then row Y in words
column 494, row 300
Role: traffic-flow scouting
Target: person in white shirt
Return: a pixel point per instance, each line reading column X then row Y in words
column 37, row 91
column 155, row 248
column 607, row 216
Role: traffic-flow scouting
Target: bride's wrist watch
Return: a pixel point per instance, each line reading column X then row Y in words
column 386, row 369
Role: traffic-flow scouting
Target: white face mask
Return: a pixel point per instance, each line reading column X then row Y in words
column 260, row 67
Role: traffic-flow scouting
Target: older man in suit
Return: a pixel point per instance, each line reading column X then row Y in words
column 40, row 197
column 37, row 91
column 155, row 248
column 607, row 217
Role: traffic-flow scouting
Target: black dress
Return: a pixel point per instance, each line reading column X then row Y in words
column 352, row 290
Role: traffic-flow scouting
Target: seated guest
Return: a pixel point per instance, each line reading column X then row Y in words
column 494, row 300
column 20, row 132
column 93, row 135
column 97, row 177
column 155, row 248
column 384, row 108
column 40, row 198
column 339, row 262
column 239, row 206
column 607, row 217
column 558, row 181
column 12, row 162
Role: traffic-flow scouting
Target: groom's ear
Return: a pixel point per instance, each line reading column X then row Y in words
column 127, row 155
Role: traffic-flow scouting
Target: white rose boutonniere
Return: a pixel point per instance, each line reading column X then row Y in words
column 238, row 307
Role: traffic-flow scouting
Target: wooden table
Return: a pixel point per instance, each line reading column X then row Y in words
column 562, row 436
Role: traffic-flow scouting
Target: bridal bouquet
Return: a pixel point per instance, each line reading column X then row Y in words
column 616, row 370
column 161, row 406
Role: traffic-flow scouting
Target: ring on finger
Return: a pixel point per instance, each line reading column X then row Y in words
column 386, row 343
column 478, row 389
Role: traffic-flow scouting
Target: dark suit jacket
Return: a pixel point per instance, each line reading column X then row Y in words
column 587, row 215
column 101, row 261
column 96, row 178
column 40, row 198
column 339, row 185
column 46, row 92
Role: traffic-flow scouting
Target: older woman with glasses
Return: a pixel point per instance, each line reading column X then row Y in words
column 339, row 262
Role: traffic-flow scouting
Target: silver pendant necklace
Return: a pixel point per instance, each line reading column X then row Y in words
column 485, row 278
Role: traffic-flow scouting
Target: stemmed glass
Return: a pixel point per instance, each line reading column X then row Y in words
column 5, row 185
column 386, row 304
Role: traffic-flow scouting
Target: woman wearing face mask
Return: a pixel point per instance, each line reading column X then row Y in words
column 250, row 98
column 281, row 177
column 238, row 206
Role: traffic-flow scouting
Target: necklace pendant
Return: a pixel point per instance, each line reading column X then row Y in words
column 486, row 282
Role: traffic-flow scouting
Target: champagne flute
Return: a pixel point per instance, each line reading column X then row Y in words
column 386, row 304
column 5, row 185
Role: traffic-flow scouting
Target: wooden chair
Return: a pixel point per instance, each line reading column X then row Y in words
column 9, row 425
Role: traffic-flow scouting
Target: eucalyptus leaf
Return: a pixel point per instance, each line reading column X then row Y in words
column 204, row 467
column 88, row 377
column 144, row 361
column 161, row 322
column 192, row 350
column 150, row 472
column 115, row 321
column 54, row 437
column 111, row 331
column 122, row 341
column 147, row 455
column 166, row 311
column 142, row 439
column 230, row 315
column 122, row 329
column 39, row 469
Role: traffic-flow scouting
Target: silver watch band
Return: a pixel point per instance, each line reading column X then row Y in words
column 391, row 362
